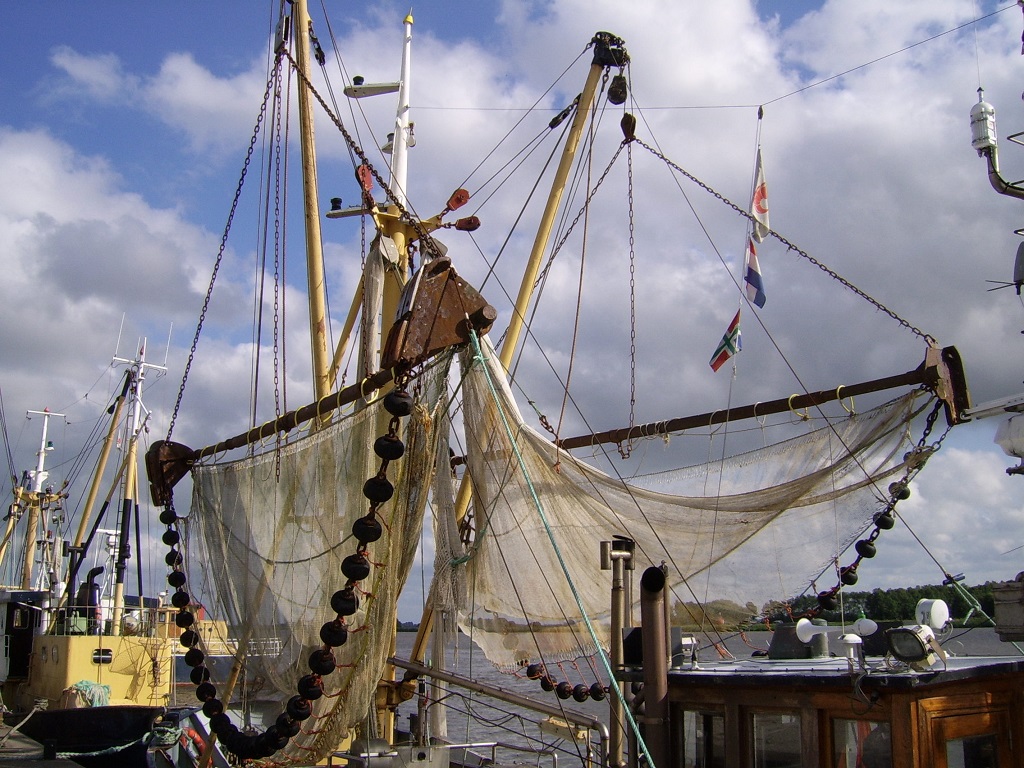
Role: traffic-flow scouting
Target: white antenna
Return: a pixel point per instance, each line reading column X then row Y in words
column 120, row 330
column 167, row 348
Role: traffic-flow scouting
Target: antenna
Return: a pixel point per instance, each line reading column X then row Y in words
column 1018, row 273
column 120, row 330
column 167, row 348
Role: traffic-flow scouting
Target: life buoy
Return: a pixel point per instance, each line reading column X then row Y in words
column 189, row 736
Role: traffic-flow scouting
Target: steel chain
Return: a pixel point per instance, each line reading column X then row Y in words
column 223, row 243
column 626, row 448
column 800, row 252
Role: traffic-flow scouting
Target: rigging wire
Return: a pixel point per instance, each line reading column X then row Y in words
column 554, row 543
column 748, row 234
column 503, row 139
column 587, row 163
column 890, row 55
column 825, row 80
column 530, row 333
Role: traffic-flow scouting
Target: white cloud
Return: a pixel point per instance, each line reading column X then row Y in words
column 214, row 112
column 871, row 173
column 100, row 77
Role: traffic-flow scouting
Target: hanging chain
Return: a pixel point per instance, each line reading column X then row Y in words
column 626, row 448
column 277, row 257
column 885, row 519
column 579, row 215
column 278, row 244
column 831, row 273
column 223, row 243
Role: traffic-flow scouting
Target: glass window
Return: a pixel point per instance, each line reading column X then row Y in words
column 861, row 744
column 972, row 752
column 777, row 742
column 703, row 740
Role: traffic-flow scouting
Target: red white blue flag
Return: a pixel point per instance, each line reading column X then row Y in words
column 729, row 345
column 752, row 275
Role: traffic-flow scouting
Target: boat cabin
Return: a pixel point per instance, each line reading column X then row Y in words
column 764, row 713
column 70, row 657
column 872, row 697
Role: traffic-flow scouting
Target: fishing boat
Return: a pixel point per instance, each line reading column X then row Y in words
column 87, row 668
column 302, row 529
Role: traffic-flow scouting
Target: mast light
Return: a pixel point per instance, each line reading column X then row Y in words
column 983, row 124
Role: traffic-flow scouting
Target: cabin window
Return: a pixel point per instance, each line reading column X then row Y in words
column 102, row 656
column 777, row 740
column 861, row 744
column 703, row 740
column 972, row 752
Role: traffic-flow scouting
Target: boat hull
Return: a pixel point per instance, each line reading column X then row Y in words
column 95, row 737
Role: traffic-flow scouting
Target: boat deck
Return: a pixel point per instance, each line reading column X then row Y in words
column 830, row 670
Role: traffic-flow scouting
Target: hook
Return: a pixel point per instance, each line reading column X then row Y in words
column 803, row 416
column 852, row 409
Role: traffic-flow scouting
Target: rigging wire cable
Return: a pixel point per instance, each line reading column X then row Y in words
column 565, row 570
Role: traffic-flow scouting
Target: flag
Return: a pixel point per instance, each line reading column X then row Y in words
column 752, row 276
column 759, row 202
column 729, row 345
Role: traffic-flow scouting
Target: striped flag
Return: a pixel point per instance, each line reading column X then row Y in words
column 729, row 345
column 752, row 276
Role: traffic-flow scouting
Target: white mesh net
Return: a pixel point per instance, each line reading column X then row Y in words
column 273, row 531
column 782, row 515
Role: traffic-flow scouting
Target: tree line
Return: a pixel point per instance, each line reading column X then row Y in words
column 895, row 604
column 879, row 604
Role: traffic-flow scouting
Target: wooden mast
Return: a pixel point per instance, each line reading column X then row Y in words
column 603, row 58
column 321, row 358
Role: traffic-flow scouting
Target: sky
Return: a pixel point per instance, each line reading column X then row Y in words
column 124, row 127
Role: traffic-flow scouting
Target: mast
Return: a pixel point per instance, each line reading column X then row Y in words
column 608, row 51
column 314, row 245
column 34, row 497
column 402, row 139
column 604, row 56
column 101, row 466
column 137, row 416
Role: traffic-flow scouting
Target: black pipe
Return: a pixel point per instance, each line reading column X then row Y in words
column 652, row 622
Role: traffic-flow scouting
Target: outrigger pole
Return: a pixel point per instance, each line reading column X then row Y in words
column 941, row 371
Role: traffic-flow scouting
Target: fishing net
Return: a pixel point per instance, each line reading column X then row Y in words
column 273, row 531
column 776, row 520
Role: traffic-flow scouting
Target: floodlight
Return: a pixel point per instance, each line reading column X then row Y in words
column 915, row 646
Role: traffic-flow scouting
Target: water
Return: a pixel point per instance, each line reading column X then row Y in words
column 474, row 718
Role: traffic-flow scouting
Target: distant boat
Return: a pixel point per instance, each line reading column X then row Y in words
column 85, row 669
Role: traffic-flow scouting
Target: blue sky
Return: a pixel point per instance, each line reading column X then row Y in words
column 124, row 126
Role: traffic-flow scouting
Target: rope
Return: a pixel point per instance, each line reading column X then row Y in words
column 40, row 704
column 102, row 752
column 606, row 663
